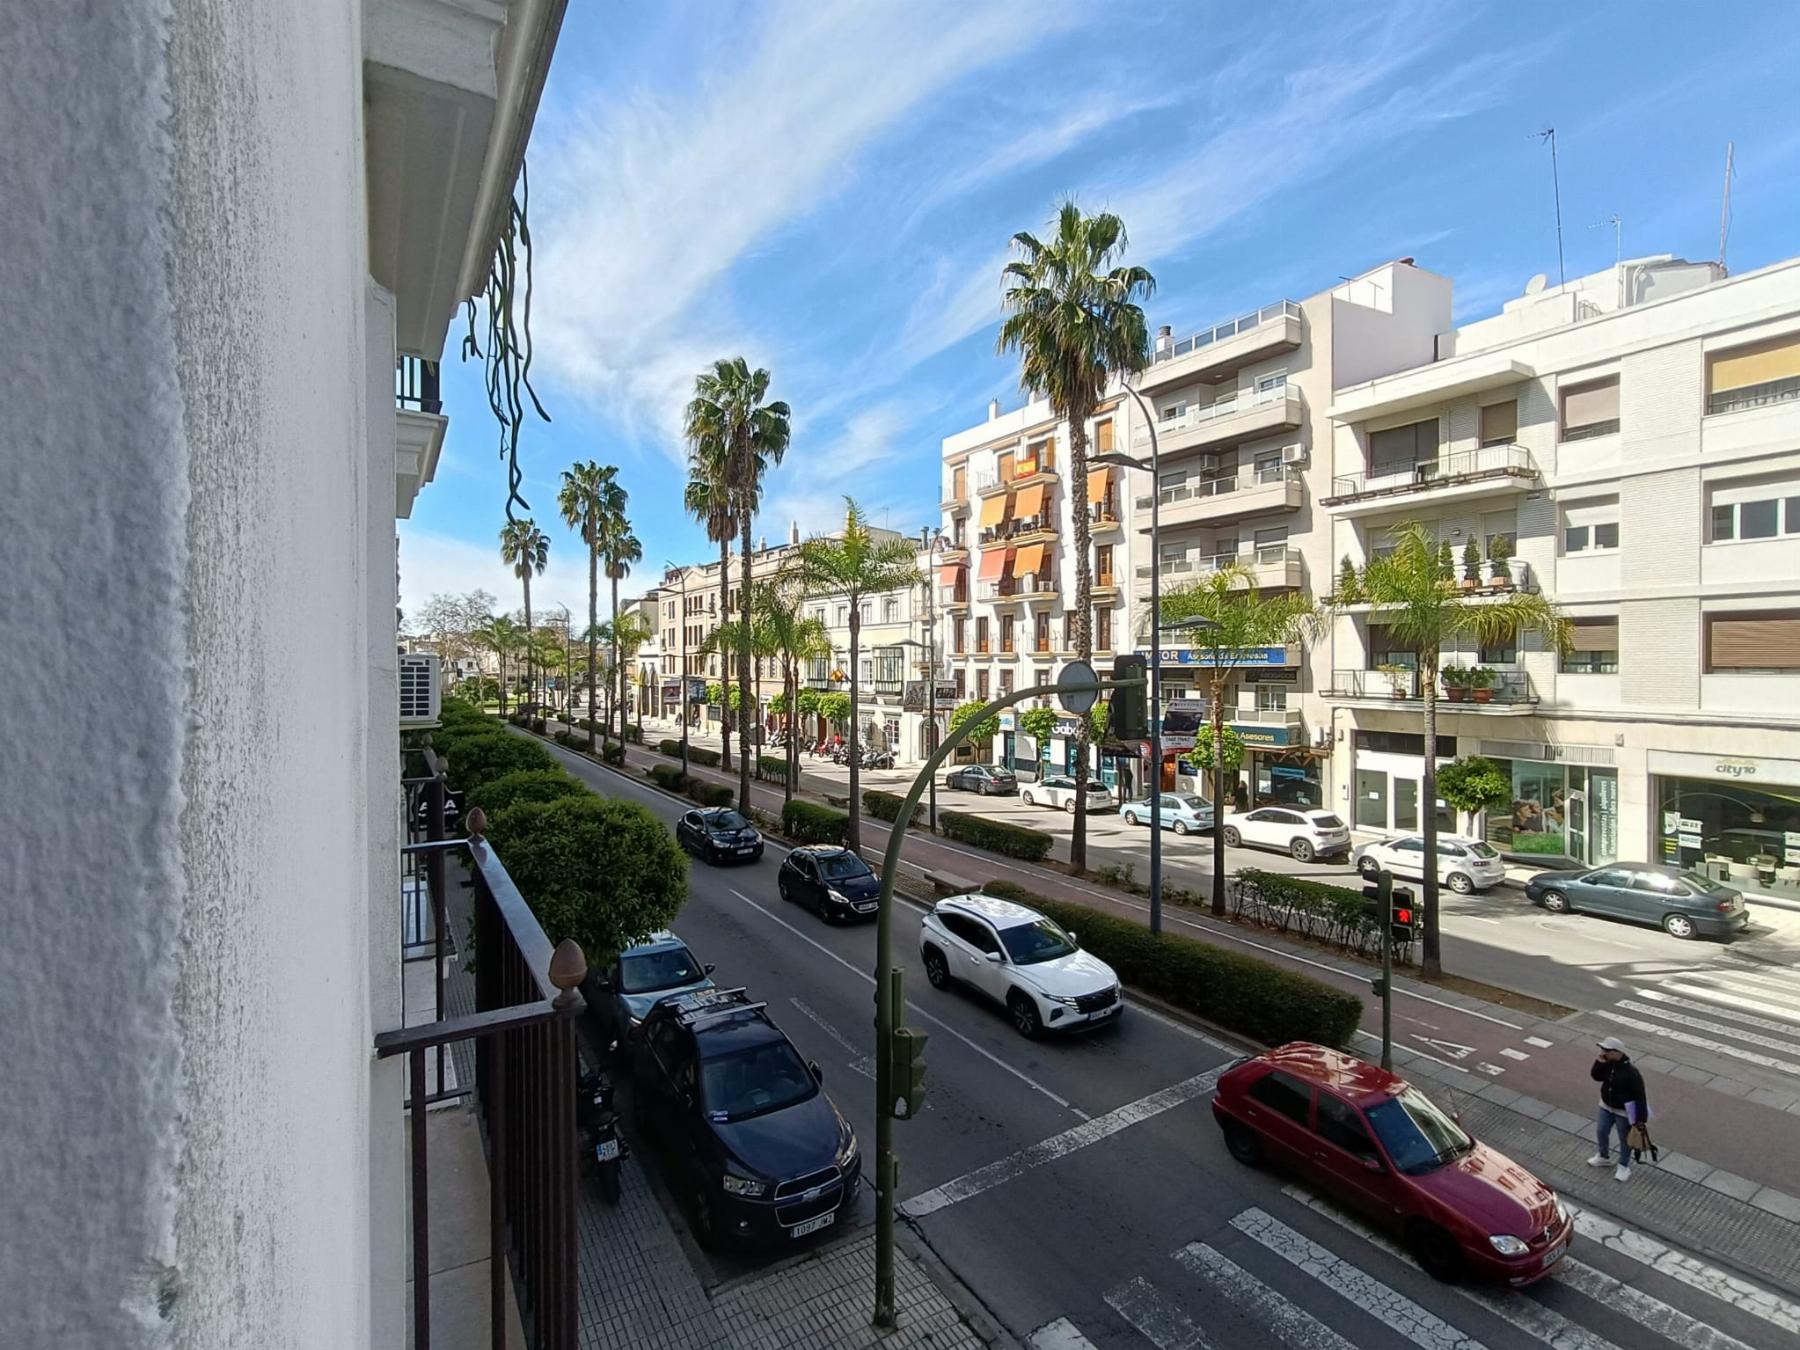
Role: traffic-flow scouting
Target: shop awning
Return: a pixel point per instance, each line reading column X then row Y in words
column 993, row 563
column 1028, row 501
column 1029, row 560
column 1098, row 480
column 993, row 510
column 950, row 574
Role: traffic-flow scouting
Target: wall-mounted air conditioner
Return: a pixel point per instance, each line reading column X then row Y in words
column 421, row 680
column 1293, row 454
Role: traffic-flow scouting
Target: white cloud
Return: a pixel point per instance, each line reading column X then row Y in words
column 432, row 563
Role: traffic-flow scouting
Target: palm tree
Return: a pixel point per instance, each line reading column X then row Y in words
column 728, row 410
column 526, row 549
column 794, row 638
column 500, row 635
column 622, row 550
column 590, row 492
column 1231, row 617
column 630, row 632
column 707, row 497
column 1074, row 319
column 856, row 563
column 1424, row 610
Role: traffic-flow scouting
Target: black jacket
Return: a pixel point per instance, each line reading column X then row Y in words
column 1620, row 1083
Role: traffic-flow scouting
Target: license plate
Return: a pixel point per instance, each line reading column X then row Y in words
column 824, row 1220
column 1554, row 1255
column 606, row 1151
column 866, row 906
column 749, row 848
column 1109, row 1012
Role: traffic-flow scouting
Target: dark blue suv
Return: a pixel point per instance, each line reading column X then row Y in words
column 756, row 1150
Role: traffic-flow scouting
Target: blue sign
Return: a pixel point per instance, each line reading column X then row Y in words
column 1202, row 656
column 1254, row 736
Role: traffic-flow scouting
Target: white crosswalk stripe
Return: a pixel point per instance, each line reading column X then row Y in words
column 1062, row 1334
column 1708, row 1043
column 1651, row 1313
column 1293, row 1327
column 1153, row 1317
column 1731, row 1015
column 1691, row 1271
column 1705, row 1024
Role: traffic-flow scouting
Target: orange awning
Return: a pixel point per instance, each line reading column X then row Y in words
column 1028, row 501
column 1097, row 483
column 993, row 563
column 993, row 510
column 1029, row 560
column 951, row 573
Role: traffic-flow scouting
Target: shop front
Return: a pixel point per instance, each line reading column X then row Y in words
column 1734, row 818
column 1558, row 811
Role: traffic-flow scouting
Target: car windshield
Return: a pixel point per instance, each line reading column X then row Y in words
column 725, row 820
column 664, row 968
column 1327, row 821
column 842, row 867
column 1190, row 801
column 1484, row 850
column 752, row 1082
column 1416, row 1134
column 1705, row 885
column 1039, row 940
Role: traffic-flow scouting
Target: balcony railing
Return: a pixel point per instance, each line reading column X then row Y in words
column 1043, row 523
column 1510, row 688
column 1592, row 430
column 1201, row 564
column 1753, row 396
column 1283, row 309
column 1466, row 466
column 1201, row 414
column 884, row 685
column 525, row 1070
column 416, row 385
column 1103, row 513
column 1199, row 488
column 1013, row 588
column 953, row 595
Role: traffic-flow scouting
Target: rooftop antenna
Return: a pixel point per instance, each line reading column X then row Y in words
column 1725, row 204
column 1618, row 235
column 1549, row 134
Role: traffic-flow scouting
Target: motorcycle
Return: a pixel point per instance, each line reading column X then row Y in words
column 602, row 1149
column 878, row 759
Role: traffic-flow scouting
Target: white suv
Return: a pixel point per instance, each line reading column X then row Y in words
column 1464, row 865
column 1307, row 834
column 1021, row 960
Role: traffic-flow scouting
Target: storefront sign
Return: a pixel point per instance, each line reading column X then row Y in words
column 1734, row 768
column 1201, row 656
column 1258, row 735
column 914, row 700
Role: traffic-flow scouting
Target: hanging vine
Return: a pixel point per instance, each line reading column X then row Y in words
column 507, row 356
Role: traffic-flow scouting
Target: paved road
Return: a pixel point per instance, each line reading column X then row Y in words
column 1081, row 1187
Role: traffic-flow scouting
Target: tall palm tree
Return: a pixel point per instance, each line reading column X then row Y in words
column 856, row 563
column 728, row 410
column 1233, row 618
column 526, row 549
column 630, row 632
column 622, row 550
column 707, row 498
column 1425, row 610
column 1073, row 317
column 500, row 635
column 590, row 492
column 794, row 638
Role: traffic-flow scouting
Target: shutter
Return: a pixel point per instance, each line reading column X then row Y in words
column 1596, row 635
column 1764, row 363
column 1028, row 502
column 1103, row 437
column 1029, row 560
column 1585, row 405
column 1500, row 423
column 1098, row 479
column 1753, row 642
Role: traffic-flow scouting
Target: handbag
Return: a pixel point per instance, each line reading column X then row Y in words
column 1638, row 1140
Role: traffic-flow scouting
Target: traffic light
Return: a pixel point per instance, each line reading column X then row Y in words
column 907, row 1072
column 1406, row 916
column 1378, row 987
column 1128, row 713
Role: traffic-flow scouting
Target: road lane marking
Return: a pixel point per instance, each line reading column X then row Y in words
column 1527, row 1314
column 1491, row 1070
column 1375, row 1040
column 1152, row 1317
column 1454, row 1049
column 1748, row 1019
column 1540, row 1042
column 986, row 1054
column 1701, row 1024
column 1650, row 1313
column 1293, row 1326
column 1511, row 1053
column 1691, row 1271
column 1003, row 1170
column 1058, row 1335
column 1703, row 1043
column 1388, row 1306
column 1757, row 1000
column 859, row 1062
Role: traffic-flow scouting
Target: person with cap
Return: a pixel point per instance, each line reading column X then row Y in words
column 1622, row 1105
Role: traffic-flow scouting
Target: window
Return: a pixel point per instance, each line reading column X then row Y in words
column 1753, row 376
column 1341, row 1124
column 1006, row 682
column 1271, row 696
column 1041, row 631
column 1753, row 642
column 981, row 685
column 1284, row 1094
column 1068, row 630
column 981, row 633
column 1591, row 526
column 1103, row 437
column 959, row 486
column 842, row 616
column 1103, row 564
column 959, row 637
column 1765, row 509
column 1006, row 632
column 1268, row 384
column 1590, row 410
column 865, row 611
column 1103, row 630
column 1498, row 525
column 1399, row 448
column 1501, row 653
column 890, row 609
column 1594, row 648
column 962, row 686
column 1500, row 423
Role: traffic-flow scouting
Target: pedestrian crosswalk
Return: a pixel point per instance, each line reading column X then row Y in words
column 1734, row 1008
column 1302, row 1274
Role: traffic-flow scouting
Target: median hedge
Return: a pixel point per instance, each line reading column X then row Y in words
column 612, row 752
column 1334, row 914
column 809, row 823
column 997, row 836
column 1241, row 993
column 671, row 779
column 771, row 768
column 697, row 754
column 886, row 805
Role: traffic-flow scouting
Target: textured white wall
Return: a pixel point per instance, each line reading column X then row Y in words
column 185, row 634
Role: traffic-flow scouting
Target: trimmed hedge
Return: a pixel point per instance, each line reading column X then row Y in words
column 697, row 754
column 479, row 759
column 997, row 836
column 1252, row 997
column 771, row 768
column 886, row 806
column 1334, row 914
column 810, row 823
column 671, row 779
column 611, row 752
column 527, row 785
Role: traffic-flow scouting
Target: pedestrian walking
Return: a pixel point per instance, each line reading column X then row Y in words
column 1623, row 1106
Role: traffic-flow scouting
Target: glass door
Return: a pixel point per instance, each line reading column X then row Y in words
column 1371, row 799
column 1406, row 803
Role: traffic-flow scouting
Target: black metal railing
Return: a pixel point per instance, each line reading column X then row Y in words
column 1467, row 466
column 523, row 1031
column 1590, row 430
column 416, row 384
column 1754, row 395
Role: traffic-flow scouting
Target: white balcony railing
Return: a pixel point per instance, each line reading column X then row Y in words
column 1198, row 488
column 1203, row 413
column 1281, row 309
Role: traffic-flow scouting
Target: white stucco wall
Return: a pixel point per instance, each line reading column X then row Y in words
column 187, row 622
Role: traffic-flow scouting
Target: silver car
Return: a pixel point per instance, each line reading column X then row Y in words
column 1058, row 791
column 1183, row 812
column 643, row 976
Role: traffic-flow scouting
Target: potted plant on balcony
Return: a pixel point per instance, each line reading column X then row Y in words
column 1471, row 565
column 1500, row 561
column 1456, row 682
column 1349, row 585
column 1481, row 684
column 1446, row 561
column 1399, row 680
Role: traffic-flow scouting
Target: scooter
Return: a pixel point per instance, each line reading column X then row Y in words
column 878, row 759
column 601, row 1148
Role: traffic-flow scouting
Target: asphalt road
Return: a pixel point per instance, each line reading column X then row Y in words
column 1081, row 1187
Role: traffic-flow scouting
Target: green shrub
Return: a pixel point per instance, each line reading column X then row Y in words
column 709, row 794
column 1252, row 997
column 600, row 870
column 886, row 805
column 527, row 785
column 668, row 777
column 475, row 760
column 538, row 724
column 669, row 748
column 697, row 754
column 1287, row 904
column 810, row 823
column 771, row 768
column 997, row 836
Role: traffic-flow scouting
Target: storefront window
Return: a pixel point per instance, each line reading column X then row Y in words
column 1742, row 835
column 1539, row 808
column 1286, row 782
column 1371, row 799
column 1558, row 811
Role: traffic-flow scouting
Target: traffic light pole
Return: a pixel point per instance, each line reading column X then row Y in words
column 1384, row 897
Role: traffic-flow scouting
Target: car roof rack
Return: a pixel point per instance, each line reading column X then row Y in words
column 705, row 1006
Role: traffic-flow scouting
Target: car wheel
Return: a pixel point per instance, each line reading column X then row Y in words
column 1368, row 867
column 1679, row 925
column 1026, row 798
column 937, row 970
column 781, row 887
column 1232, row 837
column 1242, row 1144
column 1437, row 1253
column 1556, row 902
column 1181, row 827
column 1460, row 883
column 1130, row 819
column 706, row 1231
column 1025, row 1018
column 1302, row 850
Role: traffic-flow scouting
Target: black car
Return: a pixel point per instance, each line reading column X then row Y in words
column 719, row 835
column 754, row 1147
column 833, row 882
column 1683, row 904
column 983, row 779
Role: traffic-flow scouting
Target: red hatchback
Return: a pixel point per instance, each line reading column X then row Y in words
column 1373, row 1142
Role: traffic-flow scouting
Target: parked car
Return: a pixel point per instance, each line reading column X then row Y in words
column 1020, row 959
column 1182, row 812
column 640, row 977
column 1058, row 790
column 1373, row 1143
column 1684, row 904
column 984, row 779
column 753, row 1146
column 1303, row 833
column 719, row 835
column 831, row 881
column 1464, row 865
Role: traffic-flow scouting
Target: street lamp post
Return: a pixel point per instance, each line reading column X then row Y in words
column 933, row 539
column 681, row 706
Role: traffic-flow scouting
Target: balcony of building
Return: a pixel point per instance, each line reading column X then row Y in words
column 1428, row 386
column 419, row 426
column 1035, row 464
column 1271, row 567
column 1225, row 348
column 1104, row 517
column 1185, row 427
column 1463, row 475
column 1199, row 499
column 1510, row 693
column 1268, row 728
column 1105, row 585
column 1016, row 589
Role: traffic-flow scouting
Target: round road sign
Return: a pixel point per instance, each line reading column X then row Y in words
column 1076, row 700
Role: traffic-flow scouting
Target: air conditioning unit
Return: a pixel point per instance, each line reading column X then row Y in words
column 421, row 683
column 1293, row 454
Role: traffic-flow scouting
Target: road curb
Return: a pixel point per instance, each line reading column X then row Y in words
column 961, row 1296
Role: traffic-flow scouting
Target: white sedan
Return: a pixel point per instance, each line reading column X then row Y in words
column 1464, row 865
column 1058, row 790
column 1305, row 833
column 1182, row 812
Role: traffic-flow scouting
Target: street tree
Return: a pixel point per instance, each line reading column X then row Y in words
column 526, row 549
column 622, row 549
column 1476, row 786
column 794, row 637
column 984, row 730
column 707, row 497
column 501, row 636
column 590, row 493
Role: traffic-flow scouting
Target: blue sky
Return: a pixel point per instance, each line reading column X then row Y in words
column 828, row 188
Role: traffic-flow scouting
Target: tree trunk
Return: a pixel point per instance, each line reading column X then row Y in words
column 790, row 683
column 1218, row 834
column 618, row 696
column 853, row 836
column 1084, row 621
column 724, row 616
column 500, row 652
column 592, row 645
column 1430, row 960
column 530, row 632
column 746, row 702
